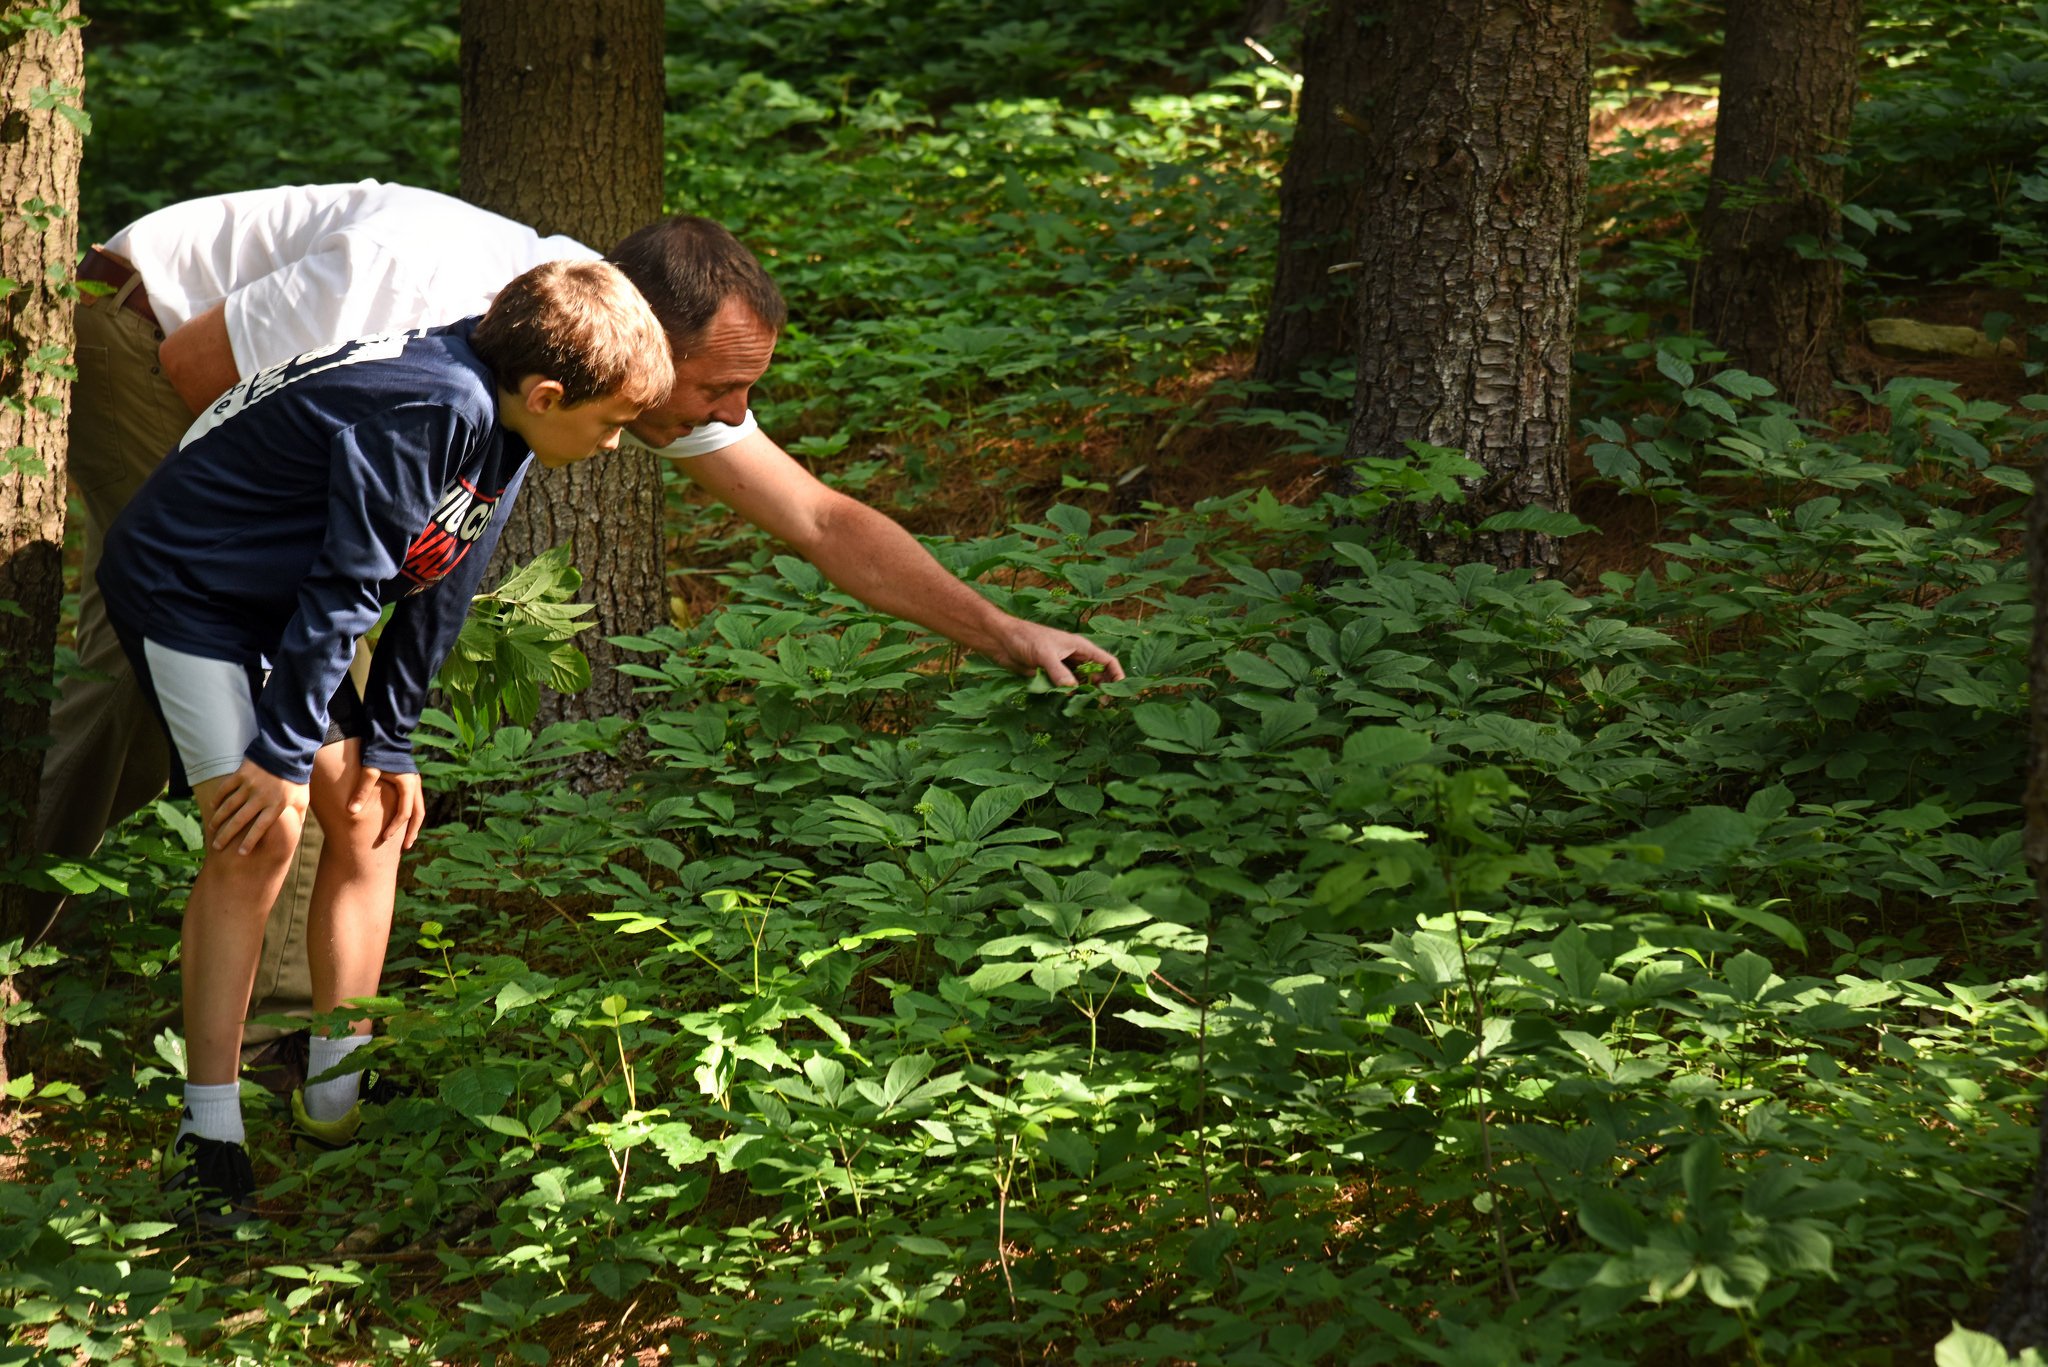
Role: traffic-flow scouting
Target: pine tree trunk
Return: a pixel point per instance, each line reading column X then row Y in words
column 562, row 129
column 1309, row 319
column 39, row 150
column 2020, row 1318
column 1468, row 241
column 1788, row 84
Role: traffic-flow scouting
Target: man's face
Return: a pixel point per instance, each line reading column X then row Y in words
column 562, row 434
column 713, row 375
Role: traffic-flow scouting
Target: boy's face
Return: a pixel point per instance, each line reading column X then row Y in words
column 712, row 378
column 561, row 433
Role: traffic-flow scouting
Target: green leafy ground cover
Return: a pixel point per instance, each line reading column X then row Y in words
column 1405, row 964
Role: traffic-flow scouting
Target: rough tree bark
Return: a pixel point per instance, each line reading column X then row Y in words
column 1475, row 156
column 1788, row 84
column 41, row 66
column 561, row 129
column 1320, row 187
column 2020, row 1318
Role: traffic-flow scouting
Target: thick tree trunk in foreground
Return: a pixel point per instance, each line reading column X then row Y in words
column 1309, row 319
column 1468, row 290
column 39, row 151
column 561, row 129
column 1788, row 84
column 2020, row 1319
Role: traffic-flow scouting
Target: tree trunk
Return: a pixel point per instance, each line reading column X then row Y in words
column 41, row 64
column 1467, row 298
column 561, row 129
column 2020, row 1318
column 1309, row 319
column 1766, row 292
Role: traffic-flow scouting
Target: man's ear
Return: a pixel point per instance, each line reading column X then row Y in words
column 541, row 395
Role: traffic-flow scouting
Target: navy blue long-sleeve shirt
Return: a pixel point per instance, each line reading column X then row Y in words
column 304, row 500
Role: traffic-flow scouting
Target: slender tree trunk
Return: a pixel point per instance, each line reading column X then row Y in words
column 40, row 65
column 1766, row 292
column 1320, row 188
column 561, row 129
column 2020, row 1318
column 1468, row 241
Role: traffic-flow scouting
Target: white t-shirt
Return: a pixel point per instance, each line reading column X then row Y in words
column 301, row 267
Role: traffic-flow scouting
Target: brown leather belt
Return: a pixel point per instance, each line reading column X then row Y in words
column 111, row 270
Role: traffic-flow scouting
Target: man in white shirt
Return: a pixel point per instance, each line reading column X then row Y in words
column 211, row 290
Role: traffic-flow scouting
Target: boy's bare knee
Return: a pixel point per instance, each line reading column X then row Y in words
column 255, row 870
column 332, row 791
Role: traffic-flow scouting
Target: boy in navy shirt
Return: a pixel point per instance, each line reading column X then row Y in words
column 301, row 503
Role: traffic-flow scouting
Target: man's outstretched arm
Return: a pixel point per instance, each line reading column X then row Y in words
column 868, row 555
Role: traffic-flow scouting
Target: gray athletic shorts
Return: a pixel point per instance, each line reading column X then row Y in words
column 208, row 709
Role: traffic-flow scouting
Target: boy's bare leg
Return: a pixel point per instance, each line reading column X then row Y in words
column 350, row 920
column 223, row 939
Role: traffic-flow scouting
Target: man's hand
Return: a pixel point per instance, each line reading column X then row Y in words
column 1025, row 647
column 248, row 802
column 403, row 799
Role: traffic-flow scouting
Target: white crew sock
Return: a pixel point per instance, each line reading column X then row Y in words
column 213, row 1112
column 332, row 1100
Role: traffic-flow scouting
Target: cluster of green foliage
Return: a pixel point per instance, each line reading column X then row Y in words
column 199, row 97
column 1947, row 173
column 1065, row 259
column 1442, row 964
column 206, row 96
column 1404, row 963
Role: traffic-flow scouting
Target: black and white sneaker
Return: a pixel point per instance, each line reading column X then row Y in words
column 210, row 1181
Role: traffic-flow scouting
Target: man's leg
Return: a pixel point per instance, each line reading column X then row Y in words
column 109, row 756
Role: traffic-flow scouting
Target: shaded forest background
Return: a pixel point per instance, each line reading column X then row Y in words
column 1409, row 962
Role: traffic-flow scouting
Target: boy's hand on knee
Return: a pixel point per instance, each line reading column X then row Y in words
column 405, row 803
column 249, row 801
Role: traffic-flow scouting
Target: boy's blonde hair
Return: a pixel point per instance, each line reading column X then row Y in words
column 582, row 325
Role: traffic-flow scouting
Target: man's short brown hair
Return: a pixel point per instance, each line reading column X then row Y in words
column 582, row 325
column 687, row 267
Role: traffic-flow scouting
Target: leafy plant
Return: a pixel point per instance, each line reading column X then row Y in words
column 517, row 637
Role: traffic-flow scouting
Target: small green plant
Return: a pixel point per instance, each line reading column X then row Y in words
column 518, row 637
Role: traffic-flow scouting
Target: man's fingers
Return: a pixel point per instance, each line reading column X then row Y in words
column 1056, row 670
column 1112, row 668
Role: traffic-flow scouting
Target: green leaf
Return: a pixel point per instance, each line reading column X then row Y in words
column 992, row 807
column 1973, row 1348
column 1385, row 746
column 1612, row 1221
column 1766, row 920
column 1539, row 520
column 1073, row 1150
column 479, row 1090
column 1701, row 1169
column 1705, row 836
column 1248, row 668
column 1734, row 1281
column 1747, row 975
column 568, row 669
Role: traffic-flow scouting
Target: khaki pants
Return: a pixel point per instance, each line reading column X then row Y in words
column 110, row 756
